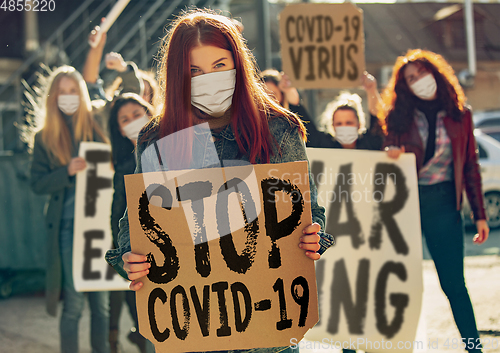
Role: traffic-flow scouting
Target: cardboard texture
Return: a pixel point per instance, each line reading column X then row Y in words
column 370, row 284
column 323, row 45
column 251, row 287
column 92, row 229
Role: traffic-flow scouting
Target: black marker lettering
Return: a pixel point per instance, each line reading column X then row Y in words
column 387, row 209
column 95, row 183
column 195, row 192
column 289, row 37
column 202, row 312
column 90, row 253
column 274, row 229
column 341, row 294
column 156, row 293
column 342, row 196
column 319, row 39
column 296, row 62
column 241, row 324
column 328, row 28
column 398, row 300
column 170, row 268
column 338, row 62
column 220, row 288
column 310, row 60
column 180, row 332
column 352, row 74
column 234, row 261
column 323, row 61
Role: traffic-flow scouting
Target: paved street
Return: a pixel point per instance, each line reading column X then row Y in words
column 26, row 328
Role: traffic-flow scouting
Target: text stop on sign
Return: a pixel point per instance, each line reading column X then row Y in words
column 227, row 272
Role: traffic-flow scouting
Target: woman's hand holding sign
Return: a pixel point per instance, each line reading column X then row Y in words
column 136, row 267
column 310, row 241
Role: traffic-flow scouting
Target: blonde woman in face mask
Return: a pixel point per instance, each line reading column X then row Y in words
column 67, row 121
column 344, row 119
column 425, row 112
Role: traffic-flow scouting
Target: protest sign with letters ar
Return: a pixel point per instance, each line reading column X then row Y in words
column 92, row 228
column 226, row 270
column 370, row 287
column 323, row 45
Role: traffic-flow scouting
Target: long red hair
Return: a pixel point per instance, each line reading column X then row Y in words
column 399, row 101
column 251, row 106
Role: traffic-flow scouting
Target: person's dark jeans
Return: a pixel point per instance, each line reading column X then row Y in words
column 73, row 302
column 116, row 300
column 442, row 228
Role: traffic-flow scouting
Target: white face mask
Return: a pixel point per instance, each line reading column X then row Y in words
column 213, row 92
column 425, row 88
column 346, row 135
column 68, row 103
column 133, row 128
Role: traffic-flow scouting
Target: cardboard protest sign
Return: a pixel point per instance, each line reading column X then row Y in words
column 323, row 45
column 370, row 286
column 227, row 272
column 92, row 229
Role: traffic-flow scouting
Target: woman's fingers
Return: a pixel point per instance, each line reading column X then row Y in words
column 312, row 228
column 482, row 231
column 135, row 285
column 136, row 275
column 310, row 241
column 311, row 247
column 135, row 265
column 131, row 257
column 394, row 152
column 313, row 255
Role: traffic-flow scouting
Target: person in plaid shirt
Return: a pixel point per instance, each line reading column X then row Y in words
column 425, row 113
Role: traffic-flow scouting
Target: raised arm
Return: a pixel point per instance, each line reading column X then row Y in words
column 91, row 67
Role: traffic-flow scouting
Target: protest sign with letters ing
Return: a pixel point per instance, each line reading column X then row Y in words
column 370, row 286
column 226, row 270
column 92, row 229
column 323, row 45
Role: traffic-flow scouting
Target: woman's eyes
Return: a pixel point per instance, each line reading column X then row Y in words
column 196, row 71
column 411, row 79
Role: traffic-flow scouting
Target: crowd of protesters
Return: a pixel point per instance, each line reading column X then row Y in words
column 208, row 75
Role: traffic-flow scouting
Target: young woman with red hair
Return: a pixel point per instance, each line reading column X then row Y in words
column 425, row 113
column 209, row 76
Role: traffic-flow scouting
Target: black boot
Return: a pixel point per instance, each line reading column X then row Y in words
column 136, row 338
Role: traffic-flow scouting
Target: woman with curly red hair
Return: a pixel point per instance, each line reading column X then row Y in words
column 425, row 112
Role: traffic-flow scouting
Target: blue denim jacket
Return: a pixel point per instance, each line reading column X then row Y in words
column 221, row 149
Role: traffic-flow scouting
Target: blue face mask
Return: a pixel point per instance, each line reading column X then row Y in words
column 213, row 92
